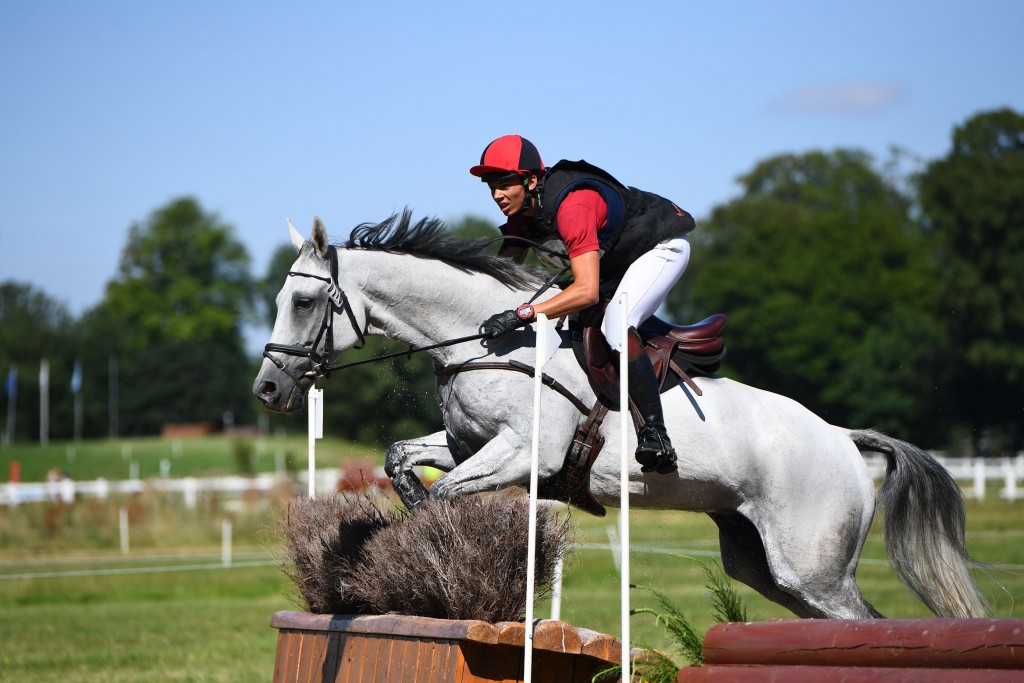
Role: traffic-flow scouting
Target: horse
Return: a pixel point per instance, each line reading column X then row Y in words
column 790, row 493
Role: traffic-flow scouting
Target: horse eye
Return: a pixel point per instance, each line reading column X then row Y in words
column 303, row 303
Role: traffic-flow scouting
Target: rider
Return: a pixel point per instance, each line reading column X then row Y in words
column 614, row 236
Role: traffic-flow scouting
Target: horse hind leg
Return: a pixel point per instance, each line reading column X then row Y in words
column 744, row 558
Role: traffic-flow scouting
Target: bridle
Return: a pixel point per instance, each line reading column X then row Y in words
column 337, row 302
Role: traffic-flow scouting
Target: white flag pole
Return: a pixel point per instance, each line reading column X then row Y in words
column 624, row 481
column 315, row 408
column 44, row 402
column 543, row 330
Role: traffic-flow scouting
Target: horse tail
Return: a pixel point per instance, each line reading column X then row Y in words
column 924, row 527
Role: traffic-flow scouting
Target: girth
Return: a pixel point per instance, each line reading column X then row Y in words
column 571, row 484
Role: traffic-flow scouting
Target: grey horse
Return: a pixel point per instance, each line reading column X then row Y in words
column 790, row 493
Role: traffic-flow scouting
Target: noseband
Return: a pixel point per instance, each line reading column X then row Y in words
column 336, row 303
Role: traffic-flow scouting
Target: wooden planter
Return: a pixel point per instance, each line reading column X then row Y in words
column 324, row 648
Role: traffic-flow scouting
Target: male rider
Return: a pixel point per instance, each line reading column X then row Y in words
column 614, row 236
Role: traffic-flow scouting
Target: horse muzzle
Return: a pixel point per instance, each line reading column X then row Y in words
column 277, row 390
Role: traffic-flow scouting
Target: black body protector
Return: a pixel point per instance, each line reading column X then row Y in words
column 637, row 221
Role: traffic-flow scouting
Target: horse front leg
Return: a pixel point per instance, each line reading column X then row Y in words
column 503, row 461
column 431, row 450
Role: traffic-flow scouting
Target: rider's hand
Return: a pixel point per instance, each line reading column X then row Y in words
column 503, row 323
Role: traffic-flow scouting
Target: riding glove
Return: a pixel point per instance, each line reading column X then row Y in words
column 503, row 323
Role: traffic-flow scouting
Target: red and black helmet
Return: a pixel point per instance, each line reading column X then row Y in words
column 507, row 156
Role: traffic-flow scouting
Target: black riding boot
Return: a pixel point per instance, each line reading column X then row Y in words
column 654, row 450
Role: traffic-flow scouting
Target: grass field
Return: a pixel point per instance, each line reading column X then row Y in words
column 74, row 608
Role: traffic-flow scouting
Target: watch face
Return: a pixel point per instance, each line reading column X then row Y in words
column 525, row 312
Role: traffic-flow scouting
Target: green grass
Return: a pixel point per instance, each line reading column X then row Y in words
column 213, row 624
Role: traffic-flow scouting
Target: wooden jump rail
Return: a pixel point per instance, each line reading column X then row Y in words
column 324, row 648
column 851, row 651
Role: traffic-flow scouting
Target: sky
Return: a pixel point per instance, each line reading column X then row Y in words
column 352, row 111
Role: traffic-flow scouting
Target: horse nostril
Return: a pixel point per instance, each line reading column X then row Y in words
column 268, row 388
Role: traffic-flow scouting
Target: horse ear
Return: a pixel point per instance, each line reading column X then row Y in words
column 319, row 236
column 296, row 238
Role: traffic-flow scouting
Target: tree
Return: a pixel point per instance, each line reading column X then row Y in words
column 973, row 199
column 177, row 304
column 829, row 289
column 182, row 276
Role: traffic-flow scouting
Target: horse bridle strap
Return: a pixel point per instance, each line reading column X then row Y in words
column 547, row 380
column 337, row 302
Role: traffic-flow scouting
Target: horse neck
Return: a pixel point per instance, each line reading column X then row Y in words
column 421, row 301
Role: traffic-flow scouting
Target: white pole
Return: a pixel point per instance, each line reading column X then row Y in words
column 123, row 516
column 624, row 482
column 541, row 328
column 44, row 402
column 1010, row 490
column 315, row 408
column 556, row 591
column 225, row 542
column 979, row 478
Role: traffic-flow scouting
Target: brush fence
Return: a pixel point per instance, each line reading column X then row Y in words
column 323, row 648
column 855, row 651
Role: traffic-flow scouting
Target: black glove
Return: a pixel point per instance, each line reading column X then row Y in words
column 503, row 323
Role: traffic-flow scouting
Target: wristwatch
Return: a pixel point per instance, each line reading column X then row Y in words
column 525, row 312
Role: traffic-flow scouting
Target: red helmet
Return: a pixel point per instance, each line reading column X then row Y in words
column 509, row 154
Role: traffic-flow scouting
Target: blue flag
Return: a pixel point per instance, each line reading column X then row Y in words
column 12, row 381
column 76, row 378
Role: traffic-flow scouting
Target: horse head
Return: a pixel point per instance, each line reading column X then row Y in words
column 305, row 334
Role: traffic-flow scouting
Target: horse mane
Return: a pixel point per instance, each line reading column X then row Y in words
column 430, row 238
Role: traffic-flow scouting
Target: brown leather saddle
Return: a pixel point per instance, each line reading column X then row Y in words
column 677, row 352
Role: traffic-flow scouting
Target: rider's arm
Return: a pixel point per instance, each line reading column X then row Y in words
column 580, row 216
column 583, row 291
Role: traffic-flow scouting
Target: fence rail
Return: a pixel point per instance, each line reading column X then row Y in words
column 974, row 475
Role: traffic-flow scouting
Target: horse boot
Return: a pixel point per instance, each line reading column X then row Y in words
column 654, row 450
column 410, row 489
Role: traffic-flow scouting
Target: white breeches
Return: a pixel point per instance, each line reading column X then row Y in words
column 647, row 282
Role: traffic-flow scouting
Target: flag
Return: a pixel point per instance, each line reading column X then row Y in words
column 76, row 378
column 12, row 381
column 44, row 374
column 550, row 339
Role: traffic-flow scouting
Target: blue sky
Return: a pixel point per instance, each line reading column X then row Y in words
column 268, row 110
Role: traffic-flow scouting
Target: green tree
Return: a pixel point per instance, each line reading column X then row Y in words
column 973, row 198
column 183, row 276
column 177, row 304
column 830, row 291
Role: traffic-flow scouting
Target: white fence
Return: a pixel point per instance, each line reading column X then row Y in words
column 189, row 488
column 978, row 477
